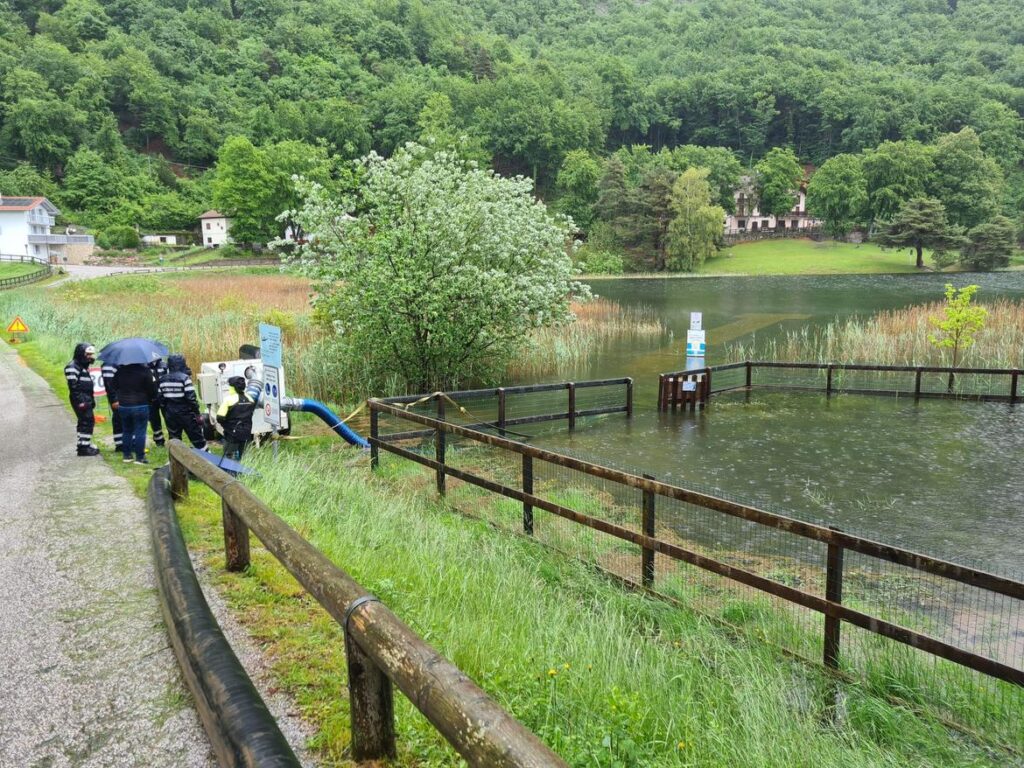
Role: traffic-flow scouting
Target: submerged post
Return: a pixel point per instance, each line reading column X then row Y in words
column 1013, row 386
column 917, row 384
column 439, row 445
column 647, row 525
column 750, row 368
column 374, row 435
column 828, row 381
column 527, row 488
column 629, row 398
column 833, row 593
column 236, row 538
column 572, row 406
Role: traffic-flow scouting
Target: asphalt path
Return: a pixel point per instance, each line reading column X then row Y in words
column 88, row 675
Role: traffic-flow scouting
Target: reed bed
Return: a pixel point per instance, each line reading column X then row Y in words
column 897, row 337
column 564, row 350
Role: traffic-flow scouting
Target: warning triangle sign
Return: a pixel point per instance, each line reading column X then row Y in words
column 17, row 326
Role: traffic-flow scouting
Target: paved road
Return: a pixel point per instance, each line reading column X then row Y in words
column 88, row 678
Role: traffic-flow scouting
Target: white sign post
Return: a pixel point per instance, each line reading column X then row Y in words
column 273, row 387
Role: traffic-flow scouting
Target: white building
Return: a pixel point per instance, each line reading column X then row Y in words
column 159, row 239
column 214, row 228
column 25, row 224
column 748, row 219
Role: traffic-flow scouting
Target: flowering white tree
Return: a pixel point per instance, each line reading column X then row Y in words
column 434, row 269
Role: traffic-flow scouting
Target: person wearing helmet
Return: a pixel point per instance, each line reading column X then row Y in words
column 234, row 418
column 179, row 402
column 80, row 392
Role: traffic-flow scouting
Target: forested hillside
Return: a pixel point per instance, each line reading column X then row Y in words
column 98, row 94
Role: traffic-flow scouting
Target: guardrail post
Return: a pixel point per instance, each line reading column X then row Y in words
column 236, row 538
column 371, row 706
column 833, row 593
column 374, row 435
column 917, row 384
column 647, row 557
column 501, row 410
column 1013, row 386
column 828, row 381
column 572, row 406
column 439, row 445
column 528, row 488
column 179, row 479
column 629, row 398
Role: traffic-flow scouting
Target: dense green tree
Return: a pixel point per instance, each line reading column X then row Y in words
column 921, row 223
column 244, row 189
column 378, row 256
column 577, row 186
column 724, row 170
column 91, row 183
column 990, row 244
column 896, row 171
column 23, row 180
column 837, row 194
column 968, row 183
column 695, row 232
column 777, row 180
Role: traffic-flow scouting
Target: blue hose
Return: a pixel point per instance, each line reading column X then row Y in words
column 329, row 417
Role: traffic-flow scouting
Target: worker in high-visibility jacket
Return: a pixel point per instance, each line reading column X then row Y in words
column 234, row 418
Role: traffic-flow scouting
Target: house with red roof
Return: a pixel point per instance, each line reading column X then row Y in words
column 25, row 231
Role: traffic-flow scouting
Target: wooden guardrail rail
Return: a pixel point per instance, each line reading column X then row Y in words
column 31, row 277
column 381, row 649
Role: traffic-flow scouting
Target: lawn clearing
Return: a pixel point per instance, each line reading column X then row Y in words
column 790, row 256
column 16, row 269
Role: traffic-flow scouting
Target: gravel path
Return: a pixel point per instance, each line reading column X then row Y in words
column 89, row 679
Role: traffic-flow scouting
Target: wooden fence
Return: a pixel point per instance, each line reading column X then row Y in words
column 381, row 650
column 642, row 534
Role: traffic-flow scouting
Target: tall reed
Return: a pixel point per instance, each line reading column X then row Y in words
column 896, row 337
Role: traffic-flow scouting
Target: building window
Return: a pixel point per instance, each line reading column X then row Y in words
column 209, row 240
column 207, row 225
column 742, row 223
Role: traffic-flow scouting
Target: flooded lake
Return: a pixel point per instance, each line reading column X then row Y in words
column 942, row 477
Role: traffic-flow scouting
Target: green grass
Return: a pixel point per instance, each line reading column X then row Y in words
column 807, row 257
column 16, row 269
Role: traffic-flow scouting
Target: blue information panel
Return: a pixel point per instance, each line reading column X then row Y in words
column 270, row 354
column 270, row 345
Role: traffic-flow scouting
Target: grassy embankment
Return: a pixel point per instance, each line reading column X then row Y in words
column 646, row 684
column 16, row 269
column 898, row 337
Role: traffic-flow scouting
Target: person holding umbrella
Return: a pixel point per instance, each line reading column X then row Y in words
column 135, row 388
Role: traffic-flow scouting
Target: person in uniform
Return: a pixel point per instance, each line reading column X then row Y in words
column 109, row 370
column 179, row 402
column 234, row 418
column 80, row 392
column 159, row 369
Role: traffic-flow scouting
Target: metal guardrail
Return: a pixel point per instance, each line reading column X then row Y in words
column 381, row 649
column 836, row 542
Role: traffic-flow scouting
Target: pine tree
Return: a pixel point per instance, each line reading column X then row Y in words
column 921, row 223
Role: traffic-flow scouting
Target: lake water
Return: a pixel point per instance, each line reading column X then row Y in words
column 942, row 477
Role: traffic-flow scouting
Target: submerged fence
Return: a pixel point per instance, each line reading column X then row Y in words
column 941, row 635
column 920, row 381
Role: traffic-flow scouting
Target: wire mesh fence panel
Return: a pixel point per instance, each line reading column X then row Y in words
column 728, row 378
column 772, row 376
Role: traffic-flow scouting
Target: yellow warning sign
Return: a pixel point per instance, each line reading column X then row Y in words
column 17, row 326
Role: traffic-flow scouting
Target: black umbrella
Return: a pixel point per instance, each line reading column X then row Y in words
column 132, row 351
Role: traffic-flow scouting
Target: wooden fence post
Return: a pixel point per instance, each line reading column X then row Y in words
column 501, row 411
column 375, row 434
column 662, row 401
column 833, row 593
column 371, row 706
column 1013, row 386
column 528, row 488
column 828, row 381
column 917, row 384
column 750, row 369
column 572, row 406
column 629, row 398
column 439, row 445
column 179, row 479
column 647, row 557
column 236, row 539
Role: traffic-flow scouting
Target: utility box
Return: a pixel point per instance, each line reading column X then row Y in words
column 213, row 386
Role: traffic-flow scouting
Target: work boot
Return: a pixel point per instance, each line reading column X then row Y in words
column 88, row 450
